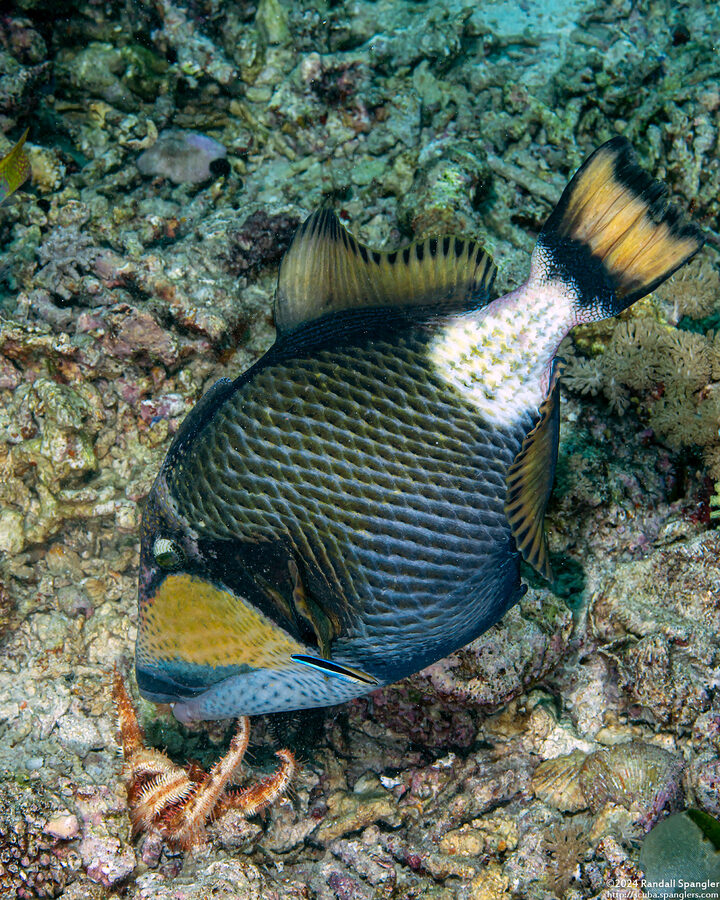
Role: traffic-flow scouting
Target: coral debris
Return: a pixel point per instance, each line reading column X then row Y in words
column 176, row 803
column 35, row 857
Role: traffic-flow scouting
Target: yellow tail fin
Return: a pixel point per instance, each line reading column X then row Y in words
column 613, row 236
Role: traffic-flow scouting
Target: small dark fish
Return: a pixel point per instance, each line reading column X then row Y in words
column 356, row 505
column 14, row 169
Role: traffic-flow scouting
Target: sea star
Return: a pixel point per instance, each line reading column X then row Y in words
column 177, row 802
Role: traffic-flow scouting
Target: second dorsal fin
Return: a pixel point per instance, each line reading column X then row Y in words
column 326, row 270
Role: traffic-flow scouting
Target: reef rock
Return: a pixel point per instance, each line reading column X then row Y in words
column 658, row 619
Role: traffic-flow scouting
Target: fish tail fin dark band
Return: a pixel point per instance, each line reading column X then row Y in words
column 613, row 236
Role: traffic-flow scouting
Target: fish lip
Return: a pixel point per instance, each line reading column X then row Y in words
column 183, row 712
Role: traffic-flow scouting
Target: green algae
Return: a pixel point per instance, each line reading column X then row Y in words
column 568, row 580
column 147, row 74
column 272, row 22
column 700, row 326
column 715, row 502
column 448, row 184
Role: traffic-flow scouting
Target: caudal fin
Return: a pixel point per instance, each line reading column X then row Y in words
column 613, row 237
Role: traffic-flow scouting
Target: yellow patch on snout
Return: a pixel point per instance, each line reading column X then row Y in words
column 189, row 619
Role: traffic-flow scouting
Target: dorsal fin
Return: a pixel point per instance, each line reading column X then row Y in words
column 530, row 479
column 327, row 270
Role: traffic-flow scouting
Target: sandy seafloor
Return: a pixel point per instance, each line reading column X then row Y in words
column 124, row 295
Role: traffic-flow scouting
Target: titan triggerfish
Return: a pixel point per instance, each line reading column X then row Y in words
column 355, row 506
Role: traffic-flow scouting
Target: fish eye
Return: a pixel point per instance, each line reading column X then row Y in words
column 167, row 553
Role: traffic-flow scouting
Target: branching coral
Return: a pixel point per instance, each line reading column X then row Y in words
column 64, row 254
column 672, row 372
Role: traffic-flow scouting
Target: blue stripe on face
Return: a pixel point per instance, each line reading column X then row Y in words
column 327, row 667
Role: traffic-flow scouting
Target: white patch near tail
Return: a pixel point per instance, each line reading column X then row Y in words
column 499, row 358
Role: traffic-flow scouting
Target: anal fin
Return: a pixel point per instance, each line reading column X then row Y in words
column 530, row 479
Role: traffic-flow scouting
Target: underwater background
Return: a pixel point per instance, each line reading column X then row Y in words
column 174, row 149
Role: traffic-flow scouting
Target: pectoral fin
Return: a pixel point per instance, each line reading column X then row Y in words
column 326, row 628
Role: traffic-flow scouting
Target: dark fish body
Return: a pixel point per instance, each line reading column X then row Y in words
column 374, row 473
column 355, row 506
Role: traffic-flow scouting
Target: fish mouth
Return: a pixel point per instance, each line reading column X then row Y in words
column 214, row 654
